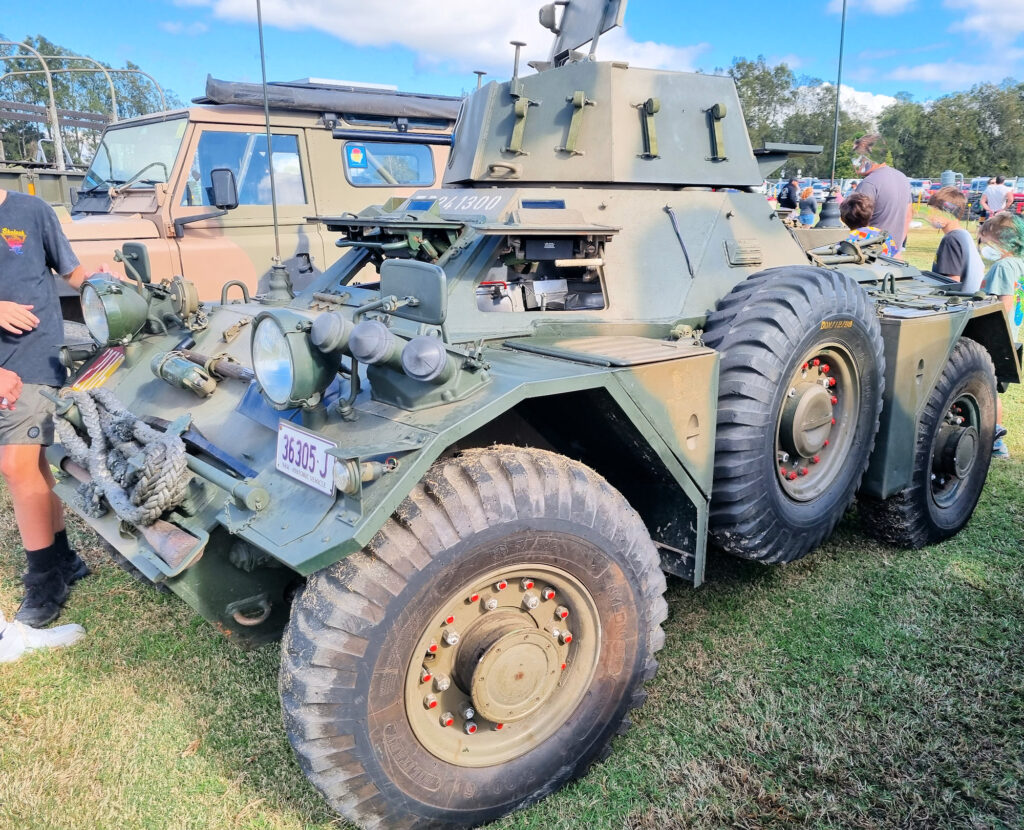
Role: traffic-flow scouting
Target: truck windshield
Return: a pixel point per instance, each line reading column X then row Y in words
column 125, row 151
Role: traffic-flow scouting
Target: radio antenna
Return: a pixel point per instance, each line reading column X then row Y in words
column 280, row 284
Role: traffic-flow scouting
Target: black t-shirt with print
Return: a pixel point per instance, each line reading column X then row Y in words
column 32, row 247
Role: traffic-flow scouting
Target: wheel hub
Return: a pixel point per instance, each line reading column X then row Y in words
column 806, row 419
column 514, row 675
column 958, row 449
column 506, row 660
column 817, row 421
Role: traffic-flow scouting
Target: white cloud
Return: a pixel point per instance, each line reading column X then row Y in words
column 951, row 74
column 870, row 103
column 999, row 21
column 459, row 35
column 178, row 27
column 881, row 7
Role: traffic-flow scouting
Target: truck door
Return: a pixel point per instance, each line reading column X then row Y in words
column 240, row 244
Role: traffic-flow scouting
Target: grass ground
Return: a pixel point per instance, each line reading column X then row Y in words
column 862, row 687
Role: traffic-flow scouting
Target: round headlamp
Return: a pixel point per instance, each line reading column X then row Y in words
column 114, row 312
column 289, row 369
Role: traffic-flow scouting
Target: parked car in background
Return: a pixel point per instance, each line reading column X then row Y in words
column 919, row 189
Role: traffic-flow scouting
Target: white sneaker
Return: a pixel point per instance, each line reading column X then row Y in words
column 16, row 638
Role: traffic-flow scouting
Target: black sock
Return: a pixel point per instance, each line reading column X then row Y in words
column 60, row 543
column 43, row 560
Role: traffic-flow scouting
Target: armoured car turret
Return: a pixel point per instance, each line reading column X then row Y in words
column 454, row 467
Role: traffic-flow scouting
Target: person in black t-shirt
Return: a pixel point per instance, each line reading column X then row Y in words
column 32, row 247
column 789, row 195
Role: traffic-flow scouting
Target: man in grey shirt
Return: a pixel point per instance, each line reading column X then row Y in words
column 887, row 187
column 997, row 197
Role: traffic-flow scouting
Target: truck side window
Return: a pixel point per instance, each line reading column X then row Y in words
column 386, row 164
column 245, row 154
column 535, row 274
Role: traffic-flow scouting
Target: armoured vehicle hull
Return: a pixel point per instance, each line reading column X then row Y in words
column 450, row 467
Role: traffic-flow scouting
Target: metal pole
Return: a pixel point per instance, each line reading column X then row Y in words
column 270, row 148
column 58, row 142
column 100, row 68
column 105, row 70
column 839, row 87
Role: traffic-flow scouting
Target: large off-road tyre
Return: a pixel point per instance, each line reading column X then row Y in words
column 800, row 396
column 951, row 460
column 483, row 649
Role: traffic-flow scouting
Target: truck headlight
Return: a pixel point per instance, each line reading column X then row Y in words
column 114, row 312
column 288, row 368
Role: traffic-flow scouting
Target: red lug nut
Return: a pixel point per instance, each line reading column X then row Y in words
column 826, row 442
column 561, row 612
column 833, row 422
column 831, row 381
column 432, row 648
column 791, row 476
column 449, row 619
column 425, row 675
column 447, row 719
column 548, row 593
column 825, row 367
column 499, row 726
column 816, row 362
column 430, row 702
column 816, row 459
column 835, row 400
column 527, row 584
column 803, row 471
column 501, row 584
column 473, row 598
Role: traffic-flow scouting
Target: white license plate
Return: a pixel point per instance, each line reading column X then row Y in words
column 303, row 456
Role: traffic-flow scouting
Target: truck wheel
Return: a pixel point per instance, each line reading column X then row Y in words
column 799, row 401
column 482, row 650
column 951, row 461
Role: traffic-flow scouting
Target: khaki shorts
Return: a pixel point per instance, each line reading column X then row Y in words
column 31, row 420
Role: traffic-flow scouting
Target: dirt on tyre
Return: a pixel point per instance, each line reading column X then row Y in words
column 801, row 380
column 482, row 651
column 952, row 455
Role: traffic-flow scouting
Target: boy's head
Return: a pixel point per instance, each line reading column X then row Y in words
column 1004, row 231
column 944, row 204
column 856, row 210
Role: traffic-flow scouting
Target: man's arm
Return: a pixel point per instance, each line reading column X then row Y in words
column 984, row 203
column 76, row 277
column 1009, row 199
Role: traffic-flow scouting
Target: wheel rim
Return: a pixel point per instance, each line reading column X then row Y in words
column 502, row 665
column 817, row 421
column 955, row 449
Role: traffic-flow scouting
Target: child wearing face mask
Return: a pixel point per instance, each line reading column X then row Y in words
column 957, row 256
column 1002, row 239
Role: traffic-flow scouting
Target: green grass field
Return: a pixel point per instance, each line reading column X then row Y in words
column 861, row 687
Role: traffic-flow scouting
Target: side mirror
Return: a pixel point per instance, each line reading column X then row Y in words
column 422, row 280
column 225, row 193
column 135, row 257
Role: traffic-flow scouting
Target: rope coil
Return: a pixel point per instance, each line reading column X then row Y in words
column 140, row 472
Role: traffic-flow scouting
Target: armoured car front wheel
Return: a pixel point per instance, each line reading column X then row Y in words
column 952, row 456
column 481, row 651
column 800, row 396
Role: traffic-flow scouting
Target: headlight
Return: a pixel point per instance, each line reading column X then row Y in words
column 289, row 369
column 113, row 311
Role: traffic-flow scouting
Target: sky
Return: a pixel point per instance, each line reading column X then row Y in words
column 924, row 47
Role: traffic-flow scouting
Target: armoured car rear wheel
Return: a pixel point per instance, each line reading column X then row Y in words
column 481, row 651
column 800, row 395
column 952, row 456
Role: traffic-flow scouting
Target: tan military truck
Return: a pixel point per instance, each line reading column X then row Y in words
column 334, row 149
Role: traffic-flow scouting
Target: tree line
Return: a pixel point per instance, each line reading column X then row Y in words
column 976, row 132
column 83, row 92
